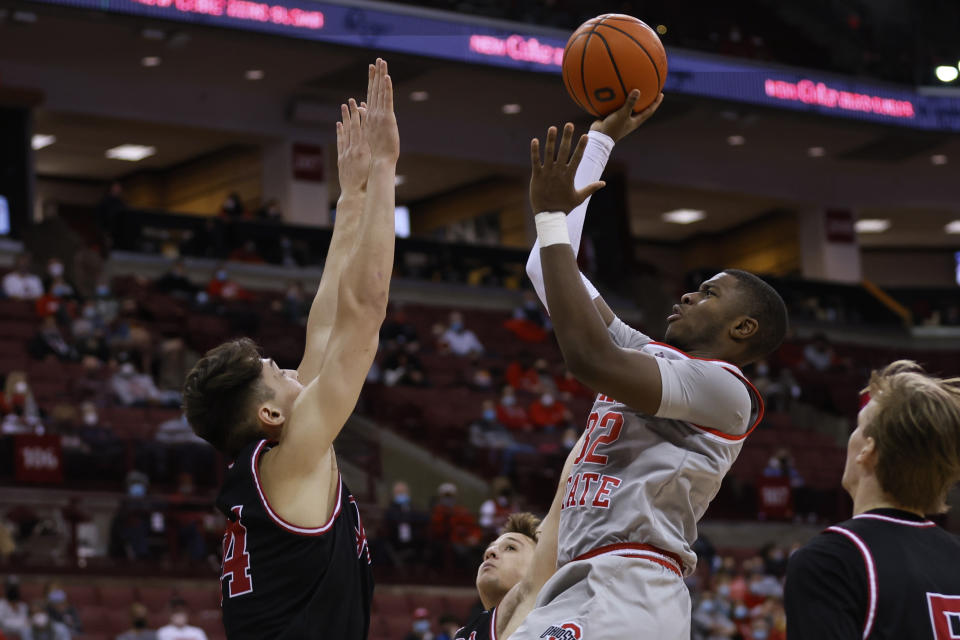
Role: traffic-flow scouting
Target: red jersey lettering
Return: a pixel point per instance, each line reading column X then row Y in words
column 236, row 560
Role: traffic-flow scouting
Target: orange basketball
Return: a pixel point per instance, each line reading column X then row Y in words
column 609, row 56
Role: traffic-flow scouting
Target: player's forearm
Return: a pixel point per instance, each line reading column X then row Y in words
column 366, row 275
column 577, row 324
column 591, row 167
column 324, row 307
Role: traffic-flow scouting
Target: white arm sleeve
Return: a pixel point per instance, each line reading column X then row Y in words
column 625, row 336
column 705, row 394
column 594, row 161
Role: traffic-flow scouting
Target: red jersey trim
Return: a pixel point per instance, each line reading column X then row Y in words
column 910, row 523
column 871, row 576
column 303, row 531
column 648, row 552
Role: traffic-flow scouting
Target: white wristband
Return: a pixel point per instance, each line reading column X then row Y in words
column 552, row 228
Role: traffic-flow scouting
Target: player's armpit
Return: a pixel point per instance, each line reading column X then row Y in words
column 630, row 376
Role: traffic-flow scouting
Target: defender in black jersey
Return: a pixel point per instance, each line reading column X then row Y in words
column 296, row 565
column 515, row 567
column 888, row 573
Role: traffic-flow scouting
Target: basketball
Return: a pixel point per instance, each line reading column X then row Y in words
column 609, row 56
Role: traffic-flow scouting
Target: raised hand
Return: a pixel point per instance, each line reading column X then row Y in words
column 381, row 123
column 353, row 151
column 551, row 181
column 622, row 121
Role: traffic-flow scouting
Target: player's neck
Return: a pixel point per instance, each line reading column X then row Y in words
column 869, row 496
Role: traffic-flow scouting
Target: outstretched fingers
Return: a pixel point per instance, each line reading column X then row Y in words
column 563, row 153
column 386, row 92
column 549, row 149
column 371, row 83
column 355, row 133
column 589, row 190
column 578, row 153
column 649, row 111
column 344, row 127
column 535, row 156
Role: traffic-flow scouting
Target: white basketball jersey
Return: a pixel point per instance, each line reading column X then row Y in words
column 643, row 480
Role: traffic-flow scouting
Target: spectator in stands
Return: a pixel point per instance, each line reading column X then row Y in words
column 138, row 625
column 295, row 305
column 421, row 625
column 568, row 387
column 57, row 280
column 454, row 529
column 20, row 283
column 232, row 207
column 819, row 354
column 522, row 376
column 221, row 287
column 711, row 621
column 495, row 510
column 108, row 307
column 547, row 414
column 60, row 609
column 778, row 393
column 398, row 327
column 175, row 282
column 134, row 389
column 529, row 323
column 487, row 432
column 14, row 612
column 405, row 527
column 42, row 626
column 178, row 629
column 511, row 414
column 480, row 378
column 18, row 396
column 781, row 465
column 130, row 528
column 449, row 625
column 460, row 340
column 109, row 211
column 51, row 304
column 401, row 366
column 545, row 381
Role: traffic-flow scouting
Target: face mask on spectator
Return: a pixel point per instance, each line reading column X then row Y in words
column 508, row 401
column 57, row 596
column 137, row 490
column 40, row 619
column 456, row 326
column 421, row 626
column 103, row 290
column 90, row 418
column 724, row 590
column 707, row 606
column 760, row 634
column 546, row 400
column 20, row 388
column 221, row 275
column 127, row 369
column 178, row 619
column 489, row 415
column 763, row 369
column 401, row 498
column 60, row 290
column 741, row 612
column 89, row 312
column 55, row 269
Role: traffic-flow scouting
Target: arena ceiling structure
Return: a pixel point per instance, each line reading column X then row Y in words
column 464, row 124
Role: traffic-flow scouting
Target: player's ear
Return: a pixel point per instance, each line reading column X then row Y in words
column 744, row 328
column 868, row 452
column 270, row 416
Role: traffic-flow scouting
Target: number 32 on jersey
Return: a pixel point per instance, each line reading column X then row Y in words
column 590, row 489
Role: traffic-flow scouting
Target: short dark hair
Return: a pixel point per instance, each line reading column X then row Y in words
column 766, row 307
column 220, row 393
column 524, row 523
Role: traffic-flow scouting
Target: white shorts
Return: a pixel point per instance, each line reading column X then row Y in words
column 610, row 597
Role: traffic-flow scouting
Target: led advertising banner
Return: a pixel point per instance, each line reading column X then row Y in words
column 417, row 32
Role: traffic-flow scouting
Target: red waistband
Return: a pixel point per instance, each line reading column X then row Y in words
column 637, row 550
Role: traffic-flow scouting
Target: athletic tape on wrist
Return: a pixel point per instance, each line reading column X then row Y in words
column 552, row 228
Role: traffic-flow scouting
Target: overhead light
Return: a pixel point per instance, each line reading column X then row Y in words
column 399, row 180
column 27, row 17
column 684, row 216
column 511, row 109
column 952, row 227
column 254, row 74
column 131, row 152
column 419, row 96
column 872, row 225
column 736, row 141
column 41, row 140
column 816, row 152
column 150, row 61
column 947, row 74
column 662, row 29
column 938, row 159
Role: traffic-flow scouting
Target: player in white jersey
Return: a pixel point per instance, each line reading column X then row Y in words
column 669, row 422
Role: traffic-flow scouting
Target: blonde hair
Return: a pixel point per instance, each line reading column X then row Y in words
column 917, row 434
column 524, row 523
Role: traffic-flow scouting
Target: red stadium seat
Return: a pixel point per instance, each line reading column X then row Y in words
column 200, row 598
column 81, row 595
column 155, row 598
column 117, row 596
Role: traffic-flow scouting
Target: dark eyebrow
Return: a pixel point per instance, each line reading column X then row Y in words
column 709, row 287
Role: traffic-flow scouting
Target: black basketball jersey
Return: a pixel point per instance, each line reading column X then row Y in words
column 883, row 575
column 284, row 582
column 482, row 627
